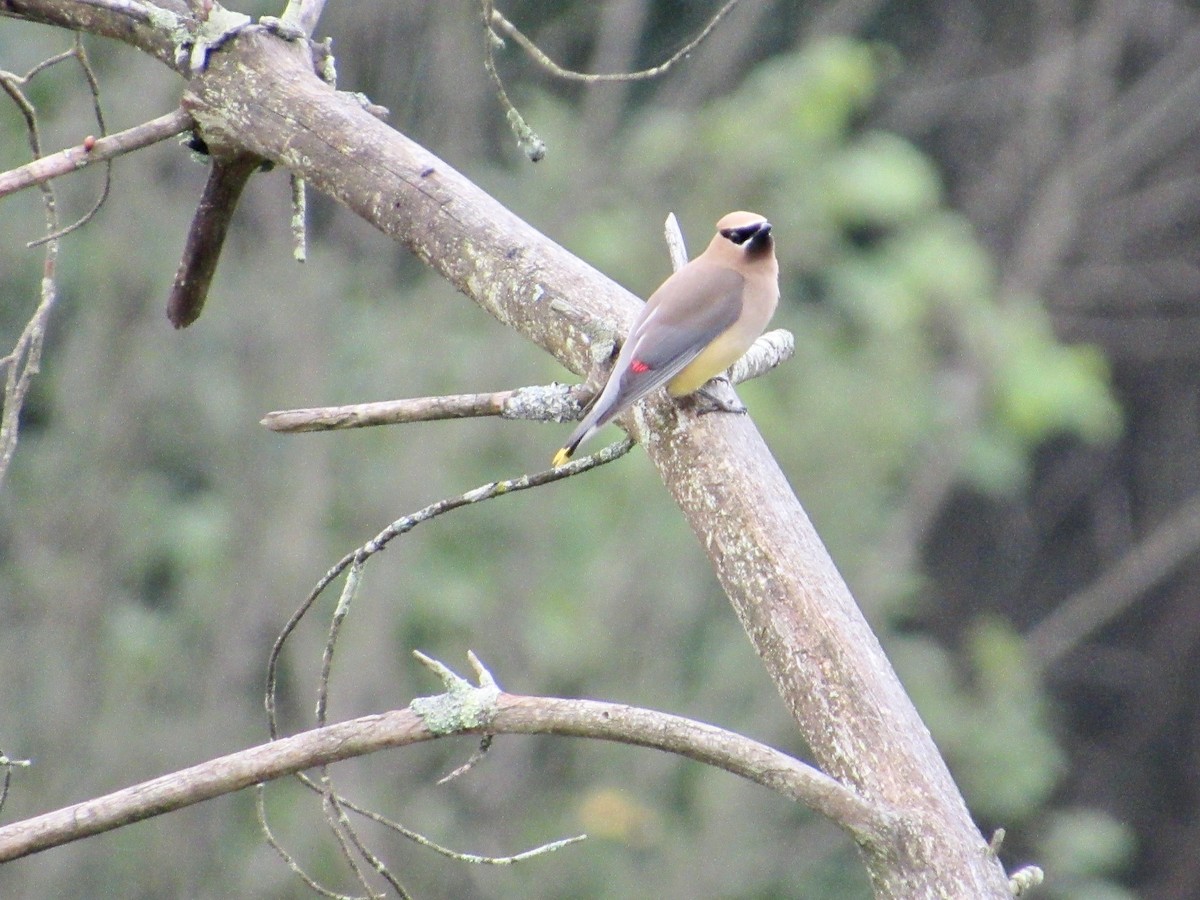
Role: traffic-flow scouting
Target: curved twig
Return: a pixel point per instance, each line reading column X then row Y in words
column 496, row 18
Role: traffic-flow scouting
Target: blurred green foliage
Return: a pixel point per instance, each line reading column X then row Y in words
column 158, row 537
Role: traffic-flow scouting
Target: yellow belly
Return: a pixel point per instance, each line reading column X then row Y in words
column 713, row 360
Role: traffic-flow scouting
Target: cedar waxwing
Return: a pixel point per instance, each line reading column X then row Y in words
column 695, row 326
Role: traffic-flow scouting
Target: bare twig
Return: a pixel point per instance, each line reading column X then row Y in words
column 406, row 524
column 24, row 361
column 532, row 145
column 299, row 219
column 545, row 403
column 345, row 841
column 459, row 855
column 89, row 75
column 94, row 150
column 676, row 247
column 496, row 18
column 6, row 781
column 290, row 861
column 473, row 760
column 1146, row 564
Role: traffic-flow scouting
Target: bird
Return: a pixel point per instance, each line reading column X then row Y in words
column 698, row 323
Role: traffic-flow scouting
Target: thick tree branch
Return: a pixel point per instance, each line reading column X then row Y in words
column 159, row 35
column 796, row 608
column 503, row 714
column 260, row 94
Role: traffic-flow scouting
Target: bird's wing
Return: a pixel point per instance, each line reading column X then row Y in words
column 692, row 308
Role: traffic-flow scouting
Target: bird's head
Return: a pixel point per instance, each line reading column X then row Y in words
column 747, row 230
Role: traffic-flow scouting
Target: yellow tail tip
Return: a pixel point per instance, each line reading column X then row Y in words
column 561, row 458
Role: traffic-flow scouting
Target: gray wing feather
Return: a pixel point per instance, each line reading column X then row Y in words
column 717, row 304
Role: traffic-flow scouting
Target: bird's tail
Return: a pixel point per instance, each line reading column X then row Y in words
column 563, row 456
column 595, row 416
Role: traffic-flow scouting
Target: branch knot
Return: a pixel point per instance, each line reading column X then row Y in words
column 464, row 706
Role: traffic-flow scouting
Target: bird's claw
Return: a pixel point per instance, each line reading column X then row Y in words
column 716, row 404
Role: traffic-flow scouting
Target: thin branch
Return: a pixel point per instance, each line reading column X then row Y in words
column 511, row 714
column 7, row 765
column 299, row 219
column 94, row 150
column 472, row 761
column 406, row 524
column 522, row 403
column 290, row 861
column 24, row 361
column 89, row 75
column 1147, row 563
column 496, row 18
column 460, row 855
column 348, row 842
column 532, row 145
column 676, row 246
column 46, row 64
column 542, row 403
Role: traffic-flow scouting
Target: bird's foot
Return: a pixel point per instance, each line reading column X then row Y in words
column 713, row 403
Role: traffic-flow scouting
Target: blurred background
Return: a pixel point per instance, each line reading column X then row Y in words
column 987, row 223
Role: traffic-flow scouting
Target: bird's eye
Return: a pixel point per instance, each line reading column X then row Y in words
column 744, row 233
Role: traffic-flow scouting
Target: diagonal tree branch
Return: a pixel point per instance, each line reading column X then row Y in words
column 1152, row 560
column 784, row 587
column 260, row 96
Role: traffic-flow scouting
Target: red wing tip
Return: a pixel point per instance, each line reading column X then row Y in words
column 637, row 367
